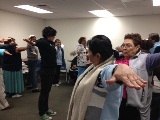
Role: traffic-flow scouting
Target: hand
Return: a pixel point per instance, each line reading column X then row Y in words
column 29, row 41
column 125, row 74
column 7, row 53
column 34, row 53
column 13, row 44
column 4, row 39
column 119, row 49
column 74, row 67
column 73, row 53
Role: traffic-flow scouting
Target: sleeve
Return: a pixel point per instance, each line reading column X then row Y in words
column 79, row 48
column 107, row 74
column 152, row 61
column 157, row 49
column 2, row 52
column 4, row 46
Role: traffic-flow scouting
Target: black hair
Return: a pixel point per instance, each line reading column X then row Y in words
column 48, row 32
column 146, row 45
column 81, row 39
column 154, row 36
column 9, row 40
column 102, row 45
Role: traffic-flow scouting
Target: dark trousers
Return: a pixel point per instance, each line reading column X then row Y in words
column 155, row 107
column 57, row 75
column 46, row 84
column 32, row 74
column 73, row 74
column 128, row 112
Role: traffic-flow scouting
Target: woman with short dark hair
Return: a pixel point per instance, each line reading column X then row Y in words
column 92, row 98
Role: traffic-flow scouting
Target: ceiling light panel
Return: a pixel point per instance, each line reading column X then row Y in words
column 33, row 9
column 101, row 13
column 156, row 2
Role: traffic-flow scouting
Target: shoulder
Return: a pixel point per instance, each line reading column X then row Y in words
column 107, row 71
column 41, row 42
column 157, row 49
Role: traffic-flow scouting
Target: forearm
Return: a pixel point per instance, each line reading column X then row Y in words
column 20, row 49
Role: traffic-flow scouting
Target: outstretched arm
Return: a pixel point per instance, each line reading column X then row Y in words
column 20, row 49
column 29, row 41
column 4, row 39
column 7, row 53
column 2, row 52
column 125, row 74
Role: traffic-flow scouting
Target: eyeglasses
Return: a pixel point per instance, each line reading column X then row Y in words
column 126, row 46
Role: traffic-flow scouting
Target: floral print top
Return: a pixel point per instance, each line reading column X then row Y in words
column 82, row 56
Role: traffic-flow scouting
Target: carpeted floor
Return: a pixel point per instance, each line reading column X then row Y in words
column 26, row 107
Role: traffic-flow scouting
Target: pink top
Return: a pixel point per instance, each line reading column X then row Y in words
column 123, row 61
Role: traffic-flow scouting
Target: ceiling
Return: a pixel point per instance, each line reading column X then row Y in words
column 79, row 8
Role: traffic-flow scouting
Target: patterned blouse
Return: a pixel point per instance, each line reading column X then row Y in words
column 82, row 56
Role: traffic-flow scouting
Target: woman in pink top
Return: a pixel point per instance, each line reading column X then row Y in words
column 132, row 51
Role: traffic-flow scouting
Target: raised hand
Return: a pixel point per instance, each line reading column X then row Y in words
column 29, row 41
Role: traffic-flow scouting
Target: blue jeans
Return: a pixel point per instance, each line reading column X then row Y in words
column 81, row 70
column 32, row 74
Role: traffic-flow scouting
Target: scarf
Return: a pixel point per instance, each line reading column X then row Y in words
column 82, row 90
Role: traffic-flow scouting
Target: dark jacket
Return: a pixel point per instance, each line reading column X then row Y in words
column 48, row 56
column 156, row 70
column 3, row 46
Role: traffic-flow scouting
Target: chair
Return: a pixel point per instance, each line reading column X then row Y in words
column 63, row 69
column 73, row 71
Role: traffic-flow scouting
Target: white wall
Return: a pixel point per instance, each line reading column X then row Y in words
column 70, row 30
column 19, row 27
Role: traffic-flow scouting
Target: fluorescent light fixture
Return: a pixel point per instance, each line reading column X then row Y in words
column 156, row 2
column 101, row 13
column 32, row 9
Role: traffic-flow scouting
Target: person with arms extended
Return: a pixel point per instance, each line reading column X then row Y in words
column 93, row 96
column 12, row 70
column 136, row 55
column 4, row 105
column 32, row 55
column 47, row 52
